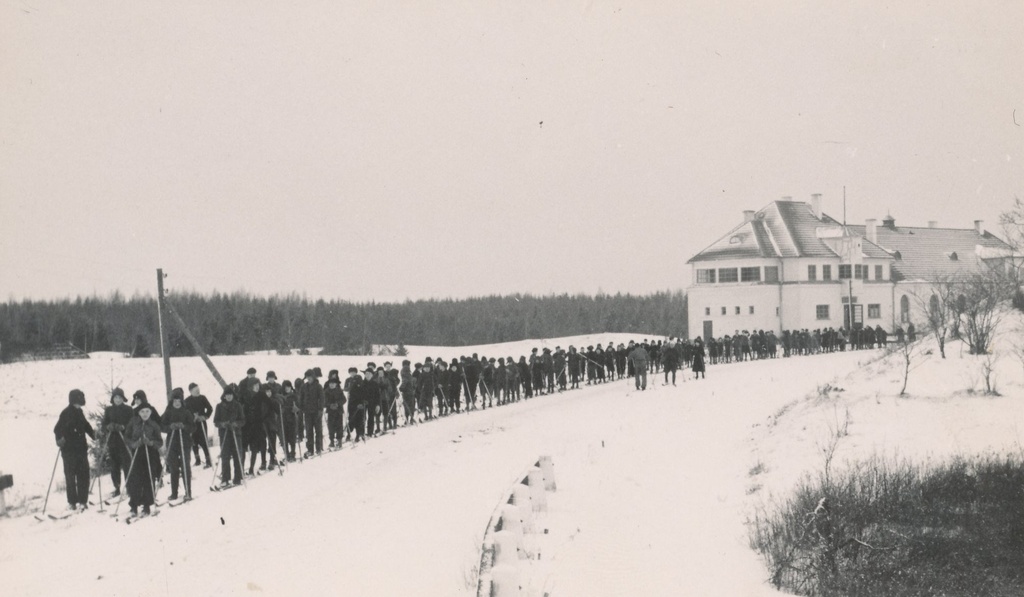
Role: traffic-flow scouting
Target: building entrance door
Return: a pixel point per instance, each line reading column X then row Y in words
column 708, row 331
column 858, row 316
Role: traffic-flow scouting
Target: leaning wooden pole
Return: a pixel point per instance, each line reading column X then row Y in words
column 163, row 333
column 195, row 344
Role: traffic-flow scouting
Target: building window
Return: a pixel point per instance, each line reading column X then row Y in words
column 771, row 273
column 750, row 274
column 727, row 274
column 751, row 309
column 904, row 309
column 858, row 272
column 826, row 272
column 812, row 272
column 737, row 310
column 723, row 310
column 821, row 311
column 707, row 311
column 874, row 311
column 844, row 272
column 705, row 276
column 879, row 272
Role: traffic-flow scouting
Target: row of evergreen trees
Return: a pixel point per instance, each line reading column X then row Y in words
column 239, row 322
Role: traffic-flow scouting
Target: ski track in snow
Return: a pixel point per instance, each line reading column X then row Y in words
column 651, row 492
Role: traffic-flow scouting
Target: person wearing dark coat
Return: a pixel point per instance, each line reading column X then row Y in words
column 254, row 434
column 356, row 405
column 473, row 370
column 369, row 398
column 115, row 420
column 201, row 410
column 334, row 400
column 139, row 399
column 670, row 361
column 228, row 418
column 425, row 386
column 69, row 433
column 638, row 358
column 144, row 439
column 178, row 423
column 574, row 360
column 408, row 390
column 288, row 407
column 698, row 358
column 311, row 397
column 271, row 420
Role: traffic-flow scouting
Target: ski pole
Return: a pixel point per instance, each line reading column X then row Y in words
column 47, row 500
column 220, row 459
column 241, row 473
column 149, row 467
column 99, row 463
column 131, row 466
column 284, row 445
column 185, row 469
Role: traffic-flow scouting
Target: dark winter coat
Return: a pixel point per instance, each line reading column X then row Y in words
column 334, row 398
column 72, row 427
column 170, row 422
column 311, row 397
column 670, row 357
column 199, row 405
column 228, row 416
column 115, row 420
column 408, row 386
column 140, row 432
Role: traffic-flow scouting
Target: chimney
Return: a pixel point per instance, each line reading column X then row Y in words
column 816, row 205
column 748, row 215
column 933, row 224
column 979, row 227
column 871, row 230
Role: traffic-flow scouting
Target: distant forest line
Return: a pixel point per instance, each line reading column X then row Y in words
column 235, row 323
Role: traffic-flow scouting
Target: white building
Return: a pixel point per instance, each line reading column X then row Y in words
column 790, row 266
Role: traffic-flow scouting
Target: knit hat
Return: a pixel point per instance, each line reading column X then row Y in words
column 140, row 395
column 251, row 371
column 286, row 383
column 271, row 376
column 192, row 385
column 76, row 396
column 177, row 394
column 333, row 374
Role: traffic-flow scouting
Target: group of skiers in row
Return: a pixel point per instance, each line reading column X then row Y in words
column 745, row 346
column 257, row 417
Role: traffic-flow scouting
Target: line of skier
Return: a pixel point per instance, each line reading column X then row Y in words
column 268, row 420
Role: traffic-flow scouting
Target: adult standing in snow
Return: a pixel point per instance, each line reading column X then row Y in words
column 289, row 407
column 356, row 405
column 425, row 386
column 229, row 419
column 178, row 423
column 698, row 358
column 115, row 420
column 670, row 361
column 638, row 359
column 408, row 389
column 200, row 407
column 574, row 368
column 70, row 432
column 334, row 399
column 144, row 439
column 254, row 440
column 312, row 399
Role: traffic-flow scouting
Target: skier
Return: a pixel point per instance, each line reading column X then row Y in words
column 574, row 368
column 670, row 361
column 698, row 358
column 254, row 432
column 312, row 399
column 638, row 358
column 288, row 406
column 334, row 399
column 408, row 389
column 229, row 419
column 391, row 397
column 356, row 404
column 179, row 423
column 373, row 392
column 69, row 433
column 425, row 386
column 115, row 420
column 201, row 410
column 144, row 439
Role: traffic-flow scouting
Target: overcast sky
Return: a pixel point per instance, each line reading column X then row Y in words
column 371, row 150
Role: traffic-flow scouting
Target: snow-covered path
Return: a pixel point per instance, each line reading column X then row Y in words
column 656, row 511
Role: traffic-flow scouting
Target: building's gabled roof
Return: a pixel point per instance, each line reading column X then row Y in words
column 780, row 229
column 749, row 240
column 928, row 253
column 790, row 229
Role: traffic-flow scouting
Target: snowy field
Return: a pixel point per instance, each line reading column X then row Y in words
column 653, row 487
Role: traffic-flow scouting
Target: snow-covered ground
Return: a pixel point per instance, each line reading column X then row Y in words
column 653, row 487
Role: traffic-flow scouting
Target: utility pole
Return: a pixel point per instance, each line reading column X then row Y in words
column 163, row 333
